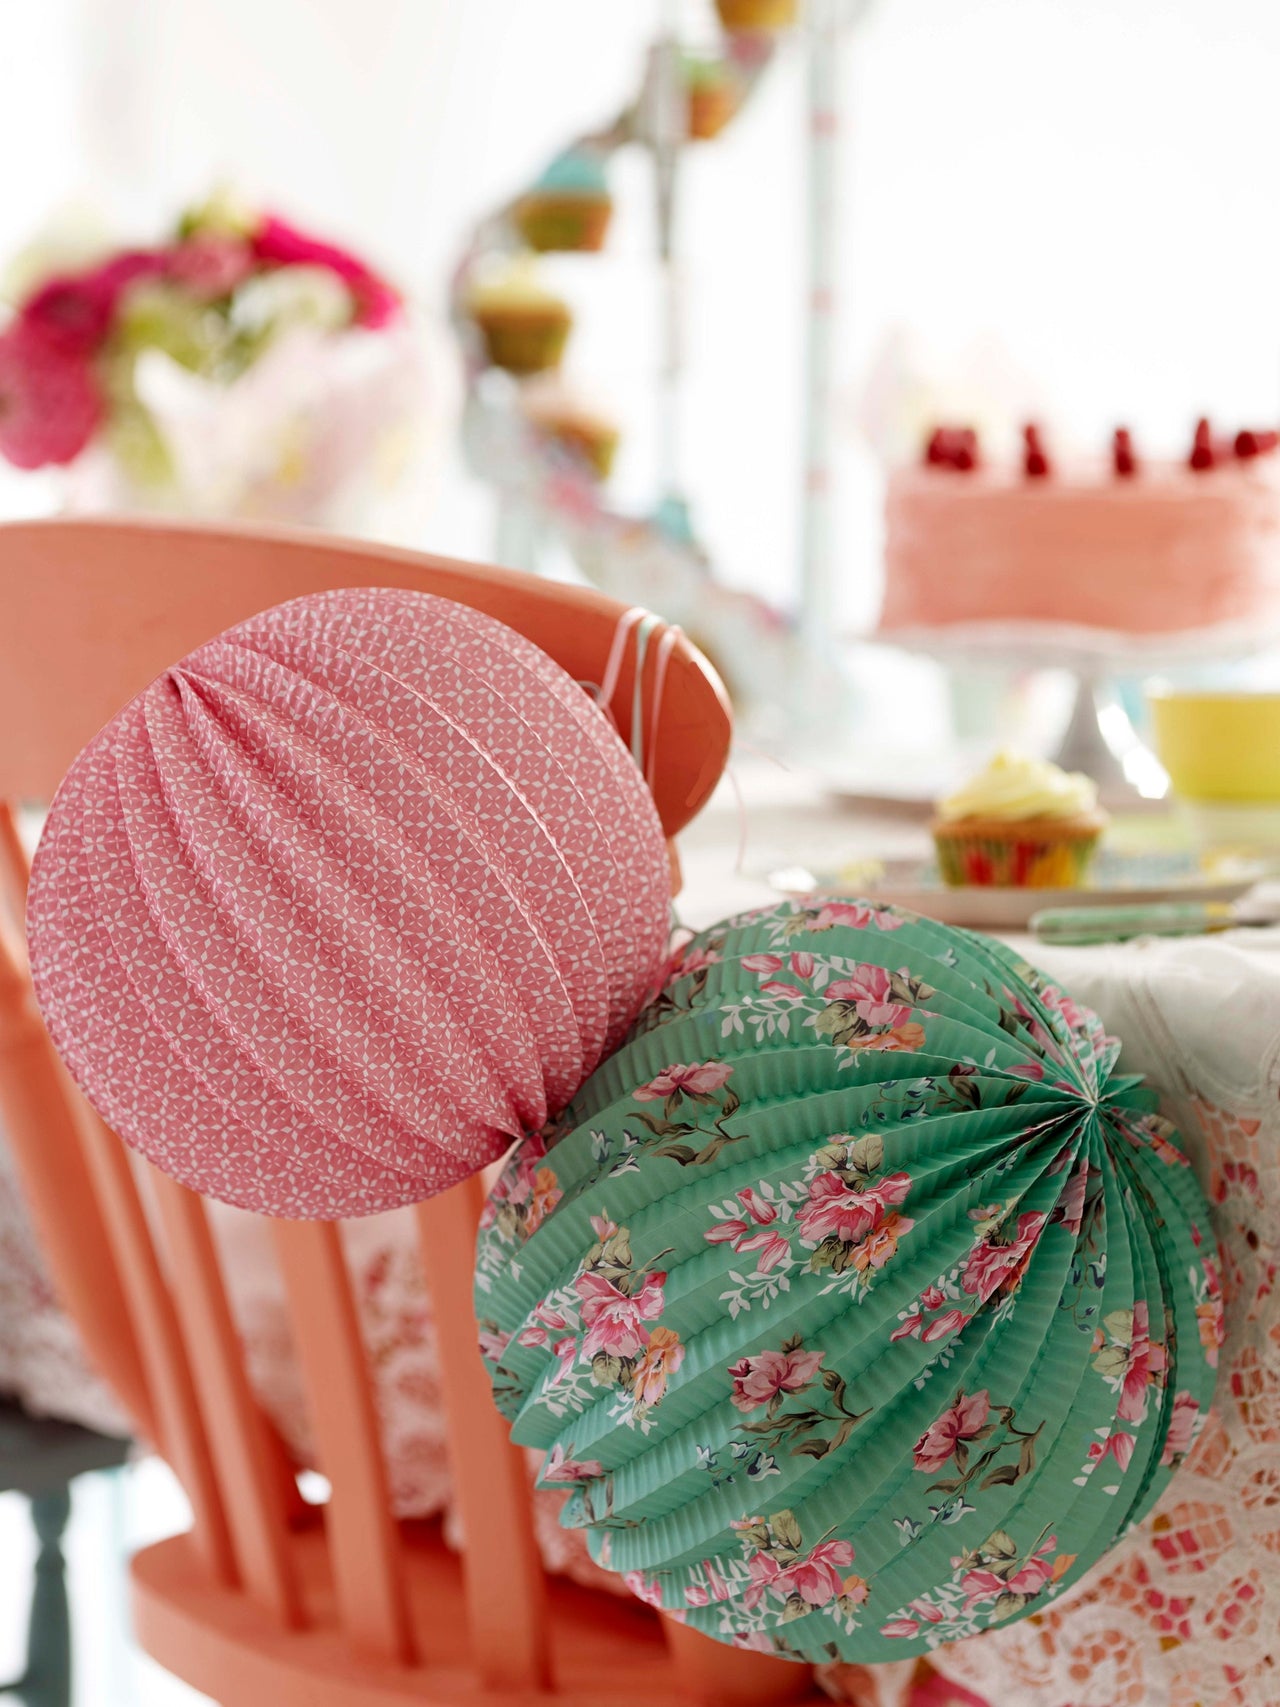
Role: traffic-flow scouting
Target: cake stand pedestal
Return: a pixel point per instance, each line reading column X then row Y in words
column 1099, row 738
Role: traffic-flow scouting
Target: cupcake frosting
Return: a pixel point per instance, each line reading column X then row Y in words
column 1014, row 787
column 576, row 172
column 516, row 287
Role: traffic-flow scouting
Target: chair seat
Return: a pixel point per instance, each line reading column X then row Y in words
column 604, row 1648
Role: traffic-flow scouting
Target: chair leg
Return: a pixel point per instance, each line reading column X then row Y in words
column 47, row 1680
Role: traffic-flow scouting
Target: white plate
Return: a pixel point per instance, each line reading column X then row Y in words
column 1119, row 880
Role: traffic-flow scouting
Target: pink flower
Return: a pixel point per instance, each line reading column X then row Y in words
column 991, row 1266
column 762, row 963
column 758, row 1208
column 908, row 1327
column 773, row 1249
column 695, row 960
column 949, row 1322
column 963, row 1421
column 659, row 1361
column 699, row 1078
column 75, row 311
column 1145, row 1361
column 726, row 1232
column 649, row 1592
column 758, row 1379
column 565, row 1352
column 835, row 1210
column 716, row 1588
column 208, row 265
column 1182, row 1428
column 612, row 1319
column 933, row 1298
column 815, row 1578
column 881, row 1243
column 857, row 915
column 1117, row 1445
column 560, row 1468
column 926, row 1610
column 802, row 965
column 1070, row 1210
column 775, row 987
column 280, row 244
column 900, row 1627
column 50, row 405
column 493, row 1344
column 869, row 989
column 980, row 1585
column 1029, row 1580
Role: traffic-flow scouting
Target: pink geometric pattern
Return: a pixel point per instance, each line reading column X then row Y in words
column 345, row 901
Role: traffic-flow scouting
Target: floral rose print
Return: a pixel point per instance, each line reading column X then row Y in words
column 524, row 1195
column 660, row 1359
column 965, row 1420
column 559, row 1467
column 836, row 1211
column 493, row 1342
column 603, row 1330
column 970, row 1421
column 703, row 1085
column 614, row 1320
column 1011, row 1582
column 1128, row 1360
column 848, row 1215
column 1210, row 1320
column 768, row 1374
column 872, row 992
column 700, row 1079
column 858, row 915
column 1183, row 1429
column 996, row 1265
column 768, row 1381
column 779, row 1570
column 751, row 1231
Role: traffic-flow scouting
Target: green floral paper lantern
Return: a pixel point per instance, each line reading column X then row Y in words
column 857, row 1301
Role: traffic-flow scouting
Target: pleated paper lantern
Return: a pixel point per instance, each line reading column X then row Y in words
column 857, row 1300
column 340, row 905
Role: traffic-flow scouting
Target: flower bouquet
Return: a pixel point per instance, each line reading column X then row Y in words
column 242, row 369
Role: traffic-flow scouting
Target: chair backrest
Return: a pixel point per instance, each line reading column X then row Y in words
column 90, row 612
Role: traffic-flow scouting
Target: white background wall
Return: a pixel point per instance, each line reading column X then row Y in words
column 1092, row 182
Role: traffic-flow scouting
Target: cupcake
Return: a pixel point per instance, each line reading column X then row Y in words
column 569, row 206
column 560, row 418
column 715, row 94
column 1020, row 824
column 524, row 325
column 757, row 14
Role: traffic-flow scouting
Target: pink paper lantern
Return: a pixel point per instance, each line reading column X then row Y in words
column 345, row 901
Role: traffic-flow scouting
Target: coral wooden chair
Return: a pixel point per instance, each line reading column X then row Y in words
column 267, row 1599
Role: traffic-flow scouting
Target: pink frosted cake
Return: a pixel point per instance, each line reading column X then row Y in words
column 1126, row 547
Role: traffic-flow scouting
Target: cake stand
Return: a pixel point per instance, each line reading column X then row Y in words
column 1099, row 738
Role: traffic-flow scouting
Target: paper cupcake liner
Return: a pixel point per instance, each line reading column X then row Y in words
column 553, row 222
column 1014, row 861
column 524, row 343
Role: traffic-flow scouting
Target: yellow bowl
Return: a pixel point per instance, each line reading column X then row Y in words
column 1219, row 746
